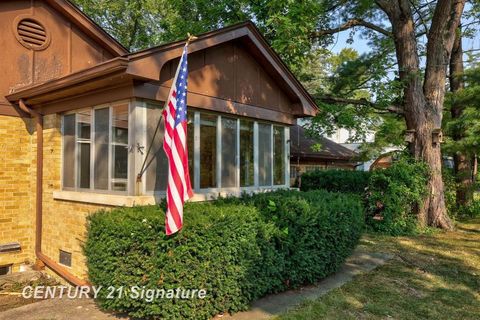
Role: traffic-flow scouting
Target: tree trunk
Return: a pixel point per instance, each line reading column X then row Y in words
column 424, row 97
column 461, row 162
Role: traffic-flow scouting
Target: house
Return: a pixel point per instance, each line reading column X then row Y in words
column 308, row 154
column 78, row 113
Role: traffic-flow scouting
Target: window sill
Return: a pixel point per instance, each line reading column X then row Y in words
column 113, row 200
column 116, row 200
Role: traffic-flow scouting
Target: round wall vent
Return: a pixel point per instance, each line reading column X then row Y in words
column 31, row 34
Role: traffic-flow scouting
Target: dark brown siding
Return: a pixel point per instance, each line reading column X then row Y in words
column 229, row 72
column 69, row 49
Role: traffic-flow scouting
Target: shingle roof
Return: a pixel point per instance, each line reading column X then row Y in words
column 302, row 146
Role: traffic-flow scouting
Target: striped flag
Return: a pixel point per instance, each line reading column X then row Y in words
column 179, row 188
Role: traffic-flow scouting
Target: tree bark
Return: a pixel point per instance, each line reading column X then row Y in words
column 424, row 97
column 461, row 162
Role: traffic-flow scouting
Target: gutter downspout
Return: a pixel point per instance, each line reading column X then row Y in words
column 61, row 271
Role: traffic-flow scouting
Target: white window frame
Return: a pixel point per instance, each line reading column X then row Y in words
column 91, row 189
column 237, row 189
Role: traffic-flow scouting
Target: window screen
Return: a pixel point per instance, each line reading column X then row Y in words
column 264, row 154
column 157, row 171
column 229, row 152
column 69, row 151
column 208, row 151
column 278, row 155
column 101, row 133
column 84, row 120
column 119, row 147
column 246, row 153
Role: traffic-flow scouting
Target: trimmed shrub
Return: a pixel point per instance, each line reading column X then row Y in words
column 236, row 249
column 393, row 196
column 335, row 180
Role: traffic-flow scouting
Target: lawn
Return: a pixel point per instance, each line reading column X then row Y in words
column 433, row 276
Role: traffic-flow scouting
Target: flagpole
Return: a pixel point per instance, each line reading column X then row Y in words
column 190, row 38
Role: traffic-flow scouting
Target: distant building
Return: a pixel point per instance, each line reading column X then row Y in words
column 304, row 157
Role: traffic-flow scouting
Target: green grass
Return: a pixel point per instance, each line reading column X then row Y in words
column 434, row 276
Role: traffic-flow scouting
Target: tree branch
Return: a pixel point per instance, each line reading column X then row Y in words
column 350, row 24
column 362, row 102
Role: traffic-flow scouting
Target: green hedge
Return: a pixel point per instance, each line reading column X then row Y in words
column 393, row 196
column 236, row 249
column 335, row 180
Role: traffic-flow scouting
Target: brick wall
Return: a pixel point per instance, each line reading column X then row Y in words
column 17, row 185
column 64, row 222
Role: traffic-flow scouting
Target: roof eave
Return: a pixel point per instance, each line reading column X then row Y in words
column 87, row 25
column 116, row 65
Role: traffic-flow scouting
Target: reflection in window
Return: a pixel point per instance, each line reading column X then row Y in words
column 246, row 154
column 191, row 145
column 84, row 119
column 157, row 170
column 229, row 152
column 278, row 155
column 95, row 149
column 208, row 150
column 69, row 151
column 264, row 154
column 119, row 147
column 101, row 133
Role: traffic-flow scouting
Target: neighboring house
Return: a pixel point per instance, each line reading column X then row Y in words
column 78, row 113
column 308, row 154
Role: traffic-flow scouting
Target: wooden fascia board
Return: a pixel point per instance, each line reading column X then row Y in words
column 88, row 26
column 110, row 67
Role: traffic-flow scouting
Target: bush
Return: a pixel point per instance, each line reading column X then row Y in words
column 456, row 211
column 393, row 196
column 335, row 180
column 236, row 249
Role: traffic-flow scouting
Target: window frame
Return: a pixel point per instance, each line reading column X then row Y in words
column 237, row 188
column 92, row 189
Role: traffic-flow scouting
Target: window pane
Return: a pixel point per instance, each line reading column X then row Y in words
column 101, row 128
column 190, row 145
column 84, row 165
column 69, row 151
column 157, row 170
column 84, row 119
column 119, row 147
column 246, row 153
column 208, row 151
column 120, row 154
column 229, row 152
column 120, row 124
column 278, row 155
column 264, row 155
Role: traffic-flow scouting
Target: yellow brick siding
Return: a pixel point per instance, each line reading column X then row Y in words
column 17, row 185
column 64, row 222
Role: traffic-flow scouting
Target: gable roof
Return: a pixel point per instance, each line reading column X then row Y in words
column 145, row 66
column 301, row 146
column 88, row 26
column 141, row 61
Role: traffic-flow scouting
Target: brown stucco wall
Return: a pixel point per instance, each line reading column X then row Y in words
column 17, row 216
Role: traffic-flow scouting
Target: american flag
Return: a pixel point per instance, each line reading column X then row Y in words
column 179, row 188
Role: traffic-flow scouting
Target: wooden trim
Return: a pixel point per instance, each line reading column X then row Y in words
column 106, row 68
column 10, row 110
column 89, row 99
column 159, row 93
column 88, row 26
